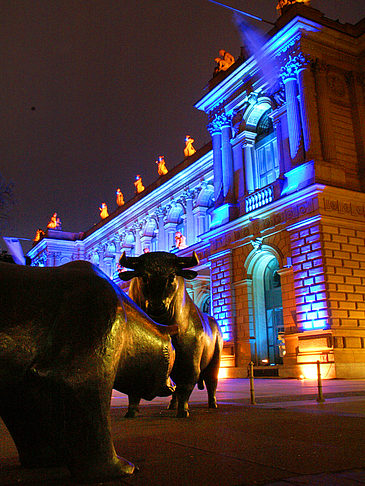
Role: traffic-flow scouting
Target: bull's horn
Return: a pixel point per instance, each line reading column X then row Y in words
column 128, row 262
column 187, row 262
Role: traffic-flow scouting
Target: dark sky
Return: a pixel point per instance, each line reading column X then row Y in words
column 92, row 91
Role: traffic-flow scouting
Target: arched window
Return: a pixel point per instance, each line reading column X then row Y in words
column 266, row 152
column 205, row 307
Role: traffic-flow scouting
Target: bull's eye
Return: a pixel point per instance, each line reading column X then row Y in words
column 171, row 278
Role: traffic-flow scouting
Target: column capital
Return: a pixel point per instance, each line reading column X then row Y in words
column 248, row 138
column 294, row 64
column 220, row 121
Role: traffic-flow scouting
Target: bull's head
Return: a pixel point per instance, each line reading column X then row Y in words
column 158, row 274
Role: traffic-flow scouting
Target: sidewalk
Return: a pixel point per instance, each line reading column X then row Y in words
column 286, row 439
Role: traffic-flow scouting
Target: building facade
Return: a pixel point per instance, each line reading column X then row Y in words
column 274, row 206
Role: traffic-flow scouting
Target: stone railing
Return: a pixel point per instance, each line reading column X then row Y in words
column 262, row 197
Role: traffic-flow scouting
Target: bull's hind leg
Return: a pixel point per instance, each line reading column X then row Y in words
column 173, row 402
column 210, row 377
column 183, row 393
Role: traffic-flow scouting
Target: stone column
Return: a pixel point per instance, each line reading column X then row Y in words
column 199, row 217
column 289, row 77
column 238, row 173
column 248, row 141
column 161, row 229
column 308, row 108
column 214, row 129
column 170, row 229
column 325, row 122
column 227, row 159
column 138, row 248
column 190, row 228
column 279, row 123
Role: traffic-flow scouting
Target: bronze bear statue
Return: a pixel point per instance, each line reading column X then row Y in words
column 68, row 335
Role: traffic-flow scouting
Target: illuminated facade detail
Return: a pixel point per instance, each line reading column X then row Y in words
column 189, row 149
column 161, row 165
column 274, row 206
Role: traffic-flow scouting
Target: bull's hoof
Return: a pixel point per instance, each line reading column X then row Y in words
column 118, row 469
column 172, row 406
column 213, row 404
column 131, row 414
column 182, row 413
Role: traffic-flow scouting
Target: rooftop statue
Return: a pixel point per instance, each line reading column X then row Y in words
column 54, row 223
column 120, row 197
column 224, row 62
column 284, row 3
column 162, row 169
column 138, row 184
column 189, row 149
column 69, row 336
column 104, row 211
column 39, row 234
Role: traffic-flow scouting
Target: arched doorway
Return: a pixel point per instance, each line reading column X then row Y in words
column 273, row 311
column 267, row 325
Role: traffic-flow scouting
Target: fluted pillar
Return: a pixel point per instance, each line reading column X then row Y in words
column 308, row 108
column 190, row 229
column 214, row 129
column 161, row 229
column 289, row 77
column 325, row 128
column 227, row 159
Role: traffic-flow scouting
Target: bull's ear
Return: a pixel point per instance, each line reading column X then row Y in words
column 128, row 275
column 188, row 274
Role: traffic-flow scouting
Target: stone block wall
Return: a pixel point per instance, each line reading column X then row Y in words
column 222, row 295
column 344, row 258
column 309, row 278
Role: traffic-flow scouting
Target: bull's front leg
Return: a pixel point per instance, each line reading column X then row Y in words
column 133, row 406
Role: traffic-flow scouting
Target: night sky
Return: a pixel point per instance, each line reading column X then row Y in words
column 92, row 91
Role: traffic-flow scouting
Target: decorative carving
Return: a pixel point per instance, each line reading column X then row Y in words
column 257, row 243
column 219, row 122
column 337, row 85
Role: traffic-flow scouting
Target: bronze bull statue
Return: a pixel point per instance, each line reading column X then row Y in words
column 158, row 287
column 68, row 335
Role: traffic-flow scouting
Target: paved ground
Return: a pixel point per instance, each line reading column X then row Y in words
column 286, row 439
